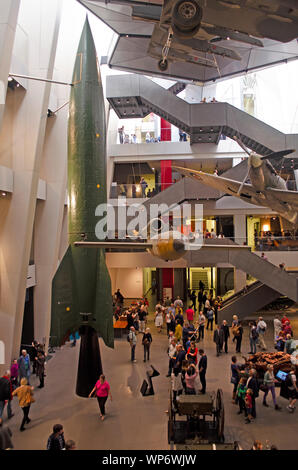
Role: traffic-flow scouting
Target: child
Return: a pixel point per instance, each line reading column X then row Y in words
column 241, row 392
column 248, row 405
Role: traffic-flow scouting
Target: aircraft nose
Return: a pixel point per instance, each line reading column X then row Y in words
column 255, row 160
column 178, row 246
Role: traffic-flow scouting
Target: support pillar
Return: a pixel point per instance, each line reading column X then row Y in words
column 8, row 22
column 166, row 180
column 240, row 238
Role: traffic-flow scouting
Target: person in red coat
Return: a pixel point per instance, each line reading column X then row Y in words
column 287, row 329
column 192, row 353
column 190, row 314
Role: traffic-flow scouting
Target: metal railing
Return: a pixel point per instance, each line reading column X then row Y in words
column 137, row 190
column 150, row 137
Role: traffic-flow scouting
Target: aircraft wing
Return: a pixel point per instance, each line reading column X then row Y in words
column 222, row 184
column 113, row 244
column 286, row 197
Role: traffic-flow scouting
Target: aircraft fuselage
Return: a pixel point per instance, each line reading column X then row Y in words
column 262, row 178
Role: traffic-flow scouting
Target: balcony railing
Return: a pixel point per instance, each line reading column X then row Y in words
column 137, row 190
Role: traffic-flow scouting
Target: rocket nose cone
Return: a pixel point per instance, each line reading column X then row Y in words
column 254, row 160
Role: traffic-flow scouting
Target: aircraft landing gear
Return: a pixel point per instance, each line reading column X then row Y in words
column 163, row 63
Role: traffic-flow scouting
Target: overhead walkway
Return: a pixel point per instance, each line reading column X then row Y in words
column 243, row 304
column 135, row 96
column 242, row 258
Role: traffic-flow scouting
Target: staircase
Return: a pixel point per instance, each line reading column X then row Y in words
column 135, row 96
column 226, row 251
column 243, row 304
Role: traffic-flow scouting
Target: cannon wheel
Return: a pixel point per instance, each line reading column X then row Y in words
column 220, row 415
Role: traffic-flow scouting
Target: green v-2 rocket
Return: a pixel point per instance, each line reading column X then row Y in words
column 81, row 288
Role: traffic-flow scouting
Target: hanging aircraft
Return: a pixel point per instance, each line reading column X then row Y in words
column 191, row 30
column 266, row 187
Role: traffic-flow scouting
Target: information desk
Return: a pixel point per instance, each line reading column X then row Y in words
column 120, row 327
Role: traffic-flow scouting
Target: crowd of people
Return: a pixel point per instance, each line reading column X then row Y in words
column 186, row 324
column 16, row 383
column 268, row 241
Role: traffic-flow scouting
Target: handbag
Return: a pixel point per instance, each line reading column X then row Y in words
column 263, row 387
column 234, row 380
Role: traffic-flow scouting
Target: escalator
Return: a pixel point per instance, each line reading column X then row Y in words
column 244, row 303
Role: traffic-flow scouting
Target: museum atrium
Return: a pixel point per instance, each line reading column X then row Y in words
column 172, row 128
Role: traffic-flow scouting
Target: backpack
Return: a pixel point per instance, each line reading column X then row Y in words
column 288, row 380
column 254, row 333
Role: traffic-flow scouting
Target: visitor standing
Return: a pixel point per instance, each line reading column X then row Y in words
column 241, row 391
column 14, row 373
column 253, row 337
column 202, row 370
column 144, row 185
column 226, row 331
column 192, row 353
column 171, row 354
column 248, row 405
column 261, row 329
column 202, row 321
column 178, row 303
column 235, row 378
column 277, row 325
column 253, row 385
column 210, row 317
column 177, row 387
column 190, row 378
column 121, row 134
column 179, row 357
column 179, row 316
column 158, row 319
column 24, row 366
column 142, row 314
column 218, row 339
column 132, row 339
column 146, row 342
column 190, row 314
column 40, row 368
column 238, row 333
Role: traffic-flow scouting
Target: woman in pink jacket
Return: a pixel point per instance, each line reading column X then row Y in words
column 190, row 378
column 103, row 390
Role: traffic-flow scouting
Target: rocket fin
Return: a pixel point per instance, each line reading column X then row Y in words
column 103, row 301
column 65, row 318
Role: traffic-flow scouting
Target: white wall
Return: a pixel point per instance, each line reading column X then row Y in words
column 129, row 281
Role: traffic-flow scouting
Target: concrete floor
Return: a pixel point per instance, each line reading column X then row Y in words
column 136, row 422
